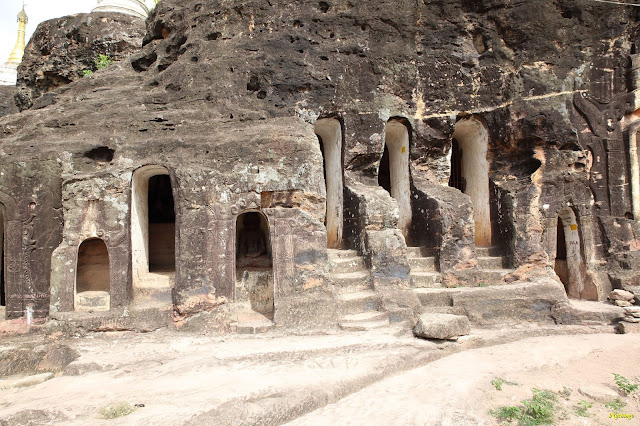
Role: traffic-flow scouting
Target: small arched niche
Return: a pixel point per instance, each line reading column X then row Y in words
column 470, row 173
column 329, row 132
column 93, row 281
column 153, row 222
column 254, row 264
column 569, row 262
column 393, row 171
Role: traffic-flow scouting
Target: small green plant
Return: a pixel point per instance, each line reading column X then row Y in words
column 507, row 413
column 119, row 409
column 499, row 381
column 624, row 384
column 616, row 405
column 102, row 61
column 535, row 411
column 582, row 409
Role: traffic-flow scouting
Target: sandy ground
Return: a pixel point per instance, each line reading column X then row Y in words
column 342, row 378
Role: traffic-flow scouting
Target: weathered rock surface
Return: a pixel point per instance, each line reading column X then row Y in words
column 21, row 382
column 625, row 327
column 45, row 358
column 61, row 49
column 224, row 97
column 600, row 394
column 7, row 103
column 623, row 295
column 442, row 326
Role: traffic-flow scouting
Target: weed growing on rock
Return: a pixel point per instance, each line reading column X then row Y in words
column 582, row 409
column 102, row 61
column 616, row 405
column 499, row 381
column 624, row 384
column 535, row 411
column 119, row 409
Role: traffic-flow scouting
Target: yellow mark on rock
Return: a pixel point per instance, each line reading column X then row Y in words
column 404, row 148
column 573, row 227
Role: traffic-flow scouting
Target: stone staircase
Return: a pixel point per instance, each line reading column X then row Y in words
column 153, row 290
column 491, row 264
column 424, row 268
column 359, row 304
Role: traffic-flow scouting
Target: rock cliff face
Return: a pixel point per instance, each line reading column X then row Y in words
column 7, row 104
column 61, row 49
column 224, row 97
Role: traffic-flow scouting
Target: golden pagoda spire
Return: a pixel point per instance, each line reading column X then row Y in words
column 18, row 50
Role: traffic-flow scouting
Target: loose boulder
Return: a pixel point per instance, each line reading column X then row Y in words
column 442, row 326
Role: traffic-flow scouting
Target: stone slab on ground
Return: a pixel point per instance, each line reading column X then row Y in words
column 21, row 382
column 598, row 393
column 628, row 328
column 442, row 326
column 587, row 312
column 619, row 294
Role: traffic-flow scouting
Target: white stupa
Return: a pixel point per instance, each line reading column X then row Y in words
column 9, row 71
column 130, row 7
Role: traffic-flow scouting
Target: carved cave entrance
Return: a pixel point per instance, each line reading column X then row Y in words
column 569, row 264
column 470, row 173
column 153, row 225
column 329, row 132
column 393, row 171
column 254, row 264
column 93, row 282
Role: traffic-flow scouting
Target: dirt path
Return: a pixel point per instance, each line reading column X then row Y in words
column 457, row 390
column 347, row 378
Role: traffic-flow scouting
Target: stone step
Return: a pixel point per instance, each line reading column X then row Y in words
column 346, row 264
column 93, row 301
column 420, row 252
column 434, row 297
column 364, row 321
column 340, row 253
column 251, row 322
column 360, row 301
column 155, row 280
column 490, row 262
column 352, row 279
column 491, row 251
column 423, row 264
column 426, row 279
column 152, row 298
column 492, row 276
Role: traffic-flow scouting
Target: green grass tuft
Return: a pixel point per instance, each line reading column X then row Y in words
column 119, row 409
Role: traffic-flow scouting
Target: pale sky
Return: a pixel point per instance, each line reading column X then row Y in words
column 37, row 11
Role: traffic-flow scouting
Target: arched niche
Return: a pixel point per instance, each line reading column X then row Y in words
column 254, row 263
column 93, row 282
column 329, row 132
column 393, row 171
column 152, row 222
column 569, row 261
column 470, row 173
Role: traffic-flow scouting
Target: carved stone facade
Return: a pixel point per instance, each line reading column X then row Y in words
column 225, row 101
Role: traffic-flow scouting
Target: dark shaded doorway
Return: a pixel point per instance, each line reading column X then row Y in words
column 384, row 171
column 455, row 179
column 162, row 224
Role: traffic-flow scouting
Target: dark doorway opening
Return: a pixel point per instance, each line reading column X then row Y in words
column 455, row 179
column 162, row 224
column 561, row 267
column 384, row 171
